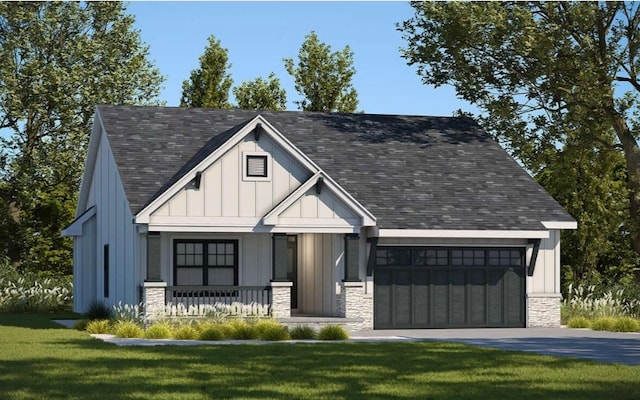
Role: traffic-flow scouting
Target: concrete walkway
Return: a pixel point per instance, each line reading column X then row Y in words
column 608, row 347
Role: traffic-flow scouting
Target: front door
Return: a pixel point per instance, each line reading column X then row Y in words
column 292, row 268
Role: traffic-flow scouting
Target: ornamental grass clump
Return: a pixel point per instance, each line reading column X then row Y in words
column 241, row 330
column 271, row 330
column 35, row 295
column 626, row 324
column 185, row 332
column 211, row 332
column 128, row 329
column 333, row 332
column 583, row 301
column 603, row 324
column 99, row 326
column 302, row 332
column 578, row 322
column 159, row 330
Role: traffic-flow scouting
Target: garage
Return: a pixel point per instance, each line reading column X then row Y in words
column 449, row 287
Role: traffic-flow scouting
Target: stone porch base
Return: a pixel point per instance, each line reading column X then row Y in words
column 543, row 310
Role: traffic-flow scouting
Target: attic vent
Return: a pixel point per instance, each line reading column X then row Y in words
column 256, row 166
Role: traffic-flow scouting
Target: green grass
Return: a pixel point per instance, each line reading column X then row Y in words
column 39, row 360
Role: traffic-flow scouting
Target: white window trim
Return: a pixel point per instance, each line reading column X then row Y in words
column 247, row 178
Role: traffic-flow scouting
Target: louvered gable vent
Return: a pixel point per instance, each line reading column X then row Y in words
column 257, row 166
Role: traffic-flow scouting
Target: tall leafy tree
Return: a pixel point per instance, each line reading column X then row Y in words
column 323, row 77
column 59, row 60
column 558, row 85
column 208, row 86
column 261, row 94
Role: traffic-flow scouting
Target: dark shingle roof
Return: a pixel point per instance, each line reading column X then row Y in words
column 411, row 172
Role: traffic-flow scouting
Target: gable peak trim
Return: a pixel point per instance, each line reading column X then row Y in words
column 320, row 180
column 249, row 127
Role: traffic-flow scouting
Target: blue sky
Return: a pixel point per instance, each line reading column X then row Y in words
column 259, row 35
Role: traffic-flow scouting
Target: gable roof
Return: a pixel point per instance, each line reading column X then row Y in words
column 410, row 172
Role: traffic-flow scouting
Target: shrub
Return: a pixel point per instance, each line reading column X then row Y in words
column 302, row 332
column 333, row 332
column 159, row 330
column 211, row 332
column 271, row 330
column 185, row 332
column 241, row 330
column 578, row 322
column 626, row 324
column 98, row 311
column 128, row 329
column 603, row 324
column 99, row 326
column 80, row 325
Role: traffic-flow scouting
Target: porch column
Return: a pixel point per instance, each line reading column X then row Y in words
column 355, row 303
column 153, row 298
column 280, row 257
column 351, row 257
column 153, row 257
column 281, row 299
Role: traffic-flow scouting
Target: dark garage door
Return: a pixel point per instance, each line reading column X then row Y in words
column 438, row 287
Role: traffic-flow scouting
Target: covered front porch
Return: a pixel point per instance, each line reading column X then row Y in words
column 293, row 277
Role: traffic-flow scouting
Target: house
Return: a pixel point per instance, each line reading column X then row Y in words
column 384, row 221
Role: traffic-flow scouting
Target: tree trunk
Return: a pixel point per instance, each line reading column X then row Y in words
column 632, row 158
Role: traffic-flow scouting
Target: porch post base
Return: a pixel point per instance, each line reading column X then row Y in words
column 281, row 299
column 543, row 310
column 354, row 302
column 153, row 298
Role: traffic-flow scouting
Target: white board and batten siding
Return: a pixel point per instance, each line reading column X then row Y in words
column 84, row 266
column 320, row 268
column 324, row 208
column 113, row 227
column 224, row 192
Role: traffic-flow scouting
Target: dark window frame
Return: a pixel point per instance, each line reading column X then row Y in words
column 105, row 270
column 264, row 159
column 205, row 259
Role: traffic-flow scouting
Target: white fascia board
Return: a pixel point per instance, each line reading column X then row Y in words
column 271, row 218
column 249, row 229
column 560, row 224
column 143, row 216
column 75, row 228
column 97, row 131
column 460, row 234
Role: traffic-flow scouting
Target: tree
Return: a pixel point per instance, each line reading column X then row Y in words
column 208, row 86
column 261, row 94
column 558, row 85
column 323, row 78
column 59, row 60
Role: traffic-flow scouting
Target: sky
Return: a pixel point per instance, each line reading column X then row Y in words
column 258, row 35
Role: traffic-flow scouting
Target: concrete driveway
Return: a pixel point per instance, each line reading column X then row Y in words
column 608, row 347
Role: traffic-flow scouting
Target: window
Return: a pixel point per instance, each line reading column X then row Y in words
column 205, row 262
column 256, row 167
column 105, row 266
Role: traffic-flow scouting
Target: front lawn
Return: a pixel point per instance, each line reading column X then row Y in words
column 39, row 359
